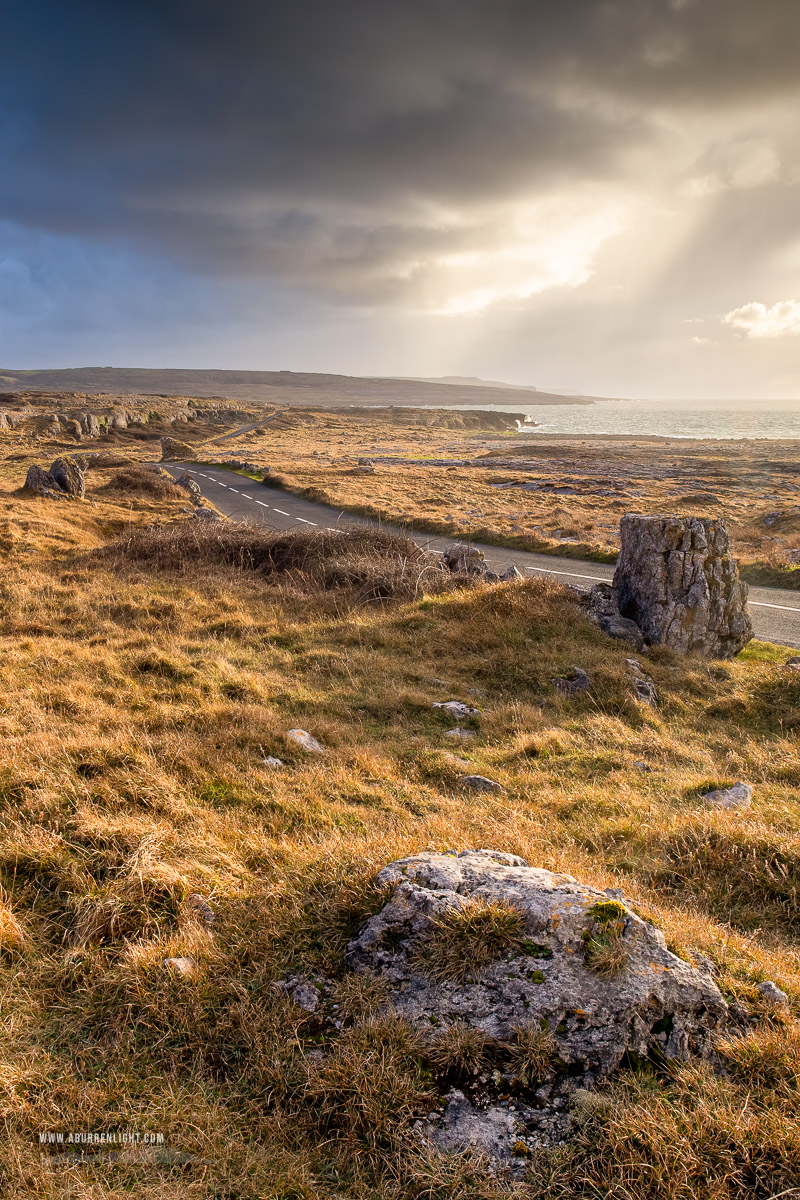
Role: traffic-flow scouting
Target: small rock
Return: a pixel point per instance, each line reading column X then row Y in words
column 455, row 760
column 189, row 484
column 465, row 1127
column 464, row 560
column 272, row 761
column 643, row 685
column 773, row 994
column 207, row 514
column 457, row 709
column 642, row 766
column 793, row 662
column 511, row 574
column 180, row 966
column 737, row 796
column 480, row 783
column 306, row 993
column 580, row 682
column 459, row 734
column 68, row 476
column 645, row 691
column 604, row 612
column 305, row 741
column 200, row 908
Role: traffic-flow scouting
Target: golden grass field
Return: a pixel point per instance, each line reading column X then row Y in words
column 141, row 691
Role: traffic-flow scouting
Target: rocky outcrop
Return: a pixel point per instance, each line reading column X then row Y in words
column 464, row 560
column 571, row 983
column 677, row 579
column 68, row 476
column 676, row 584
column 64, row 479
column 604, row 612
column 90, row 424
column 73, row 428
column 173, row 450
column 188, row 483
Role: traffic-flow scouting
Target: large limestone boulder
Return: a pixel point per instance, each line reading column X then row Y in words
column 73, row 428
column 68, row 476
column 174, row 451
column 65, row 478
column 678, row 581
column 539, row 964
column 40, row 481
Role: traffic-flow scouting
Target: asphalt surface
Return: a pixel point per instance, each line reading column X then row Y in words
column 775, row 612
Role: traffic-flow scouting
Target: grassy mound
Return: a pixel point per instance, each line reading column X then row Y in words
column 145, row 683
column 373, row 564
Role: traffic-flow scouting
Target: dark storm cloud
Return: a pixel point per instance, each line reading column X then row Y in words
column 318, row 140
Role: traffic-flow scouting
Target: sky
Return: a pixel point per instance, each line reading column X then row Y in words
column 601, row 195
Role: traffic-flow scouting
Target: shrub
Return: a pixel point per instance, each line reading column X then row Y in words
column 371, row 563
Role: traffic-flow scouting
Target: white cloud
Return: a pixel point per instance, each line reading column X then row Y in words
column 758, row 321
column 738, row 166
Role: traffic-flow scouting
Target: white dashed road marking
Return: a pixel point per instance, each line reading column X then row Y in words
column 762, row 604
column 536, row 570
column 568, row 574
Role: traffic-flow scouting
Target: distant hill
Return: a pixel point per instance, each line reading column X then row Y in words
column 275, row 387
column 471, row 381
column 569, row 394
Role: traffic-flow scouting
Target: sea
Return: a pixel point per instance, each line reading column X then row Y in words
column 674, row 419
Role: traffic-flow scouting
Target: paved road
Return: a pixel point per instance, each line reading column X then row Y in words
column 775, row 612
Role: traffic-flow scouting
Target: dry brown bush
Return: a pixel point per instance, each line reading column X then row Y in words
column 373, row 564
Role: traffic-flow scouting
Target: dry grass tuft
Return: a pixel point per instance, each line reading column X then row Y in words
column 369, row 1086
column 373, row 564
column 144, row 481
column 460, row 1048
column 12, row 937
column 462, row 941
column 531, row 1053
column 606, row 954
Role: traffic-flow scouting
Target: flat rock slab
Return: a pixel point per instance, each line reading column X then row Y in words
column 657, row 1004
column 303, row 739
column 605, row 1017
column 480, row 783
column 456, row 708
column 740, row 795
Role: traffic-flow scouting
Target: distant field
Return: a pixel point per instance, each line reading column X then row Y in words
column 271, row 387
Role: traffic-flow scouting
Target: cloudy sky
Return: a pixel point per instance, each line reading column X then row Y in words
column 592, row 194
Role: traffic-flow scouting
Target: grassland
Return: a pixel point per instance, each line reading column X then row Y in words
column 145, row 679
column 546, row 493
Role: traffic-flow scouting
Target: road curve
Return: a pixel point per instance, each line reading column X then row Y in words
column 775, row 612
